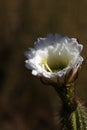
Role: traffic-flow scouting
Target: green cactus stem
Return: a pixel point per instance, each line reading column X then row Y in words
column 73, row 113
column 79, row 118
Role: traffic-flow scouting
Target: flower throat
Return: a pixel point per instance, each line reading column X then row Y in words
column 54, row 67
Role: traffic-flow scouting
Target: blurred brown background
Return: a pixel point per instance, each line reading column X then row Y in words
column 24, row 102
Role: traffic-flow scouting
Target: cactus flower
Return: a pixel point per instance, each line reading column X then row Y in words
column 54, row 56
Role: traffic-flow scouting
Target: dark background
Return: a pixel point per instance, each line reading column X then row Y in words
column 24, row 102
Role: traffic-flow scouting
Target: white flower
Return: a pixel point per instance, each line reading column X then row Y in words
column 54, row 56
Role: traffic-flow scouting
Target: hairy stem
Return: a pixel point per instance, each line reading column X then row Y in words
column 67, row 95
column 81, row 117
column 73, row 113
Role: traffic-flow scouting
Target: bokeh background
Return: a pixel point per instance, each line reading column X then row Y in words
column 24, row 102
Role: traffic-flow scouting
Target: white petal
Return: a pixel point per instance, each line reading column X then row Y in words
column 53, row 49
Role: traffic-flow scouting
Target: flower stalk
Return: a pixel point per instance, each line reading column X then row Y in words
column 80, row 117
column 73, row 113
column 67, row 95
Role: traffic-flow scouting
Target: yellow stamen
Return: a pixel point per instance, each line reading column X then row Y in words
column 46, row 65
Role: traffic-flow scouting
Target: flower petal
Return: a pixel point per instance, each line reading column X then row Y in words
column 54, row 56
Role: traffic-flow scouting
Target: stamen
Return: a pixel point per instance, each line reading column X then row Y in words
column 46, row 65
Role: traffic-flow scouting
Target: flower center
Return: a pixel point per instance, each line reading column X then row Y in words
column 54, row 65
column 58, row 66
